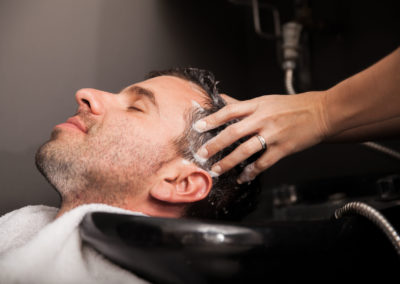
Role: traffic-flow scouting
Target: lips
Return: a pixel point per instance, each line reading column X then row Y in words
column 75, row 121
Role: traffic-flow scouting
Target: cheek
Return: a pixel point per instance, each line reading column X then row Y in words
column 122, row 133
column 125, row 143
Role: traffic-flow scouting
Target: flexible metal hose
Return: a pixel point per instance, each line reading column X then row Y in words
column 373, row 215
column 383, row 149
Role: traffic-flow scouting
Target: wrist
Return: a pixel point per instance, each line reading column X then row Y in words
column 339, row 110
column 326, row 122
column 323, row 122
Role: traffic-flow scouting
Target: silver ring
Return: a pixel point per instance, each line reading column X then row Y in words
column 262, row 141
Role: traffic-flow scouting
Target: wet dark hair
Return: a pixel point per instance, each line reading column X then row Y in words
column 227, row 199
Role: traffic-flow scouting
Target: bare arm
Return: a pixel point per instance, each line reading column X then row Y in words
column 380, row 130
column 366, row 105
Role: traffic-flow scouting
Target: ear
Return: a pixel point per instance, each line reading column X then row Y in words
column 181, row 182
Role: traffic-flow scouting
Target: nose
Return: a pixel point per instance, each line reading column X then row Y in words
column 90, row 99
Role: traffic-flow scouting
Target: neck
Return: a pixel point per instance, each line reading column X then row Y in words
column 64, row 209
column 74, row 199
column 139, row 203
column 156, row 209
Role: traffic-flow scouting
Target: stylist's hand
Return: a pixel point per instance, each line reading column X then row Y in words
column 288, row 123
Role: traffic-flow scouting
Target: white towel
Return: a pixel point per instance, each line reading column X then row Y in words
column 36, row 248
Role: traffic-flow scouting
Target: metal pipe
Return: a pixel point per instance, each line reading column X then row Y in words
column 289, row 82
column 257, row 22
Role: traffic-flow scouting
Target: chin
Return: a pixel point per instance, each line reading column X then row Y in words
column 58, row 133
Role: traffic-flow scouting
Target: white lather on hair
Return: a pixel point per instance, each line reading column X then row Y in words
column 197, row 105
column 199, row 159
column 185, row 162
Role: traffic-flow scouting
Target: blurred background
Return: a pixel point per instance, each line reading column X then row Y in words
column 51, row 48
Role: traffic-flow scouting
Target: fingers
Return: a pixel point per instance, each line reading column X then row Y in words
column 227, row 137
column 249, row 173
column 227, row 113
column 241, row 153
column 272, row 155
column 228, row 99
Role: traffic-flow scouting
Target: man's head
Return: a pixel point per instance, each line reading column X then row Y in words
column 135, row 149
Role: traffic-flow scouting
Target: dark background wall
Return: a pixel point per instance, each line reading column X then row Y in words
column 51, row 48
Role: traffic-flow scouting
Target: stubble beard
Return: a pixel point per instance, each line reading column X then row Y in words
column 58, row 165
column 82, row 173
column 61, row 166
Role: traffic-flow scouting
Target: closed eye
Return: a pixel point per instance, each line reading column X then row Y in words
column 133, row 108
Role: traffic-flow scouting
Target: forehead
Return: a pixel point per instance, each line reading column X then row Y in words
column 177, row 93
column 174, row 96
column 174, row 88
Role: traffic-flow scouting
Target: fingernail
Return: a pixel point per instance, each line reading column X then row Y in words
column 200, row 126
column 199, row 159
column 243, row 179
column 216, row 169
column 203, row 153
column 246, row 175
column 213, row 174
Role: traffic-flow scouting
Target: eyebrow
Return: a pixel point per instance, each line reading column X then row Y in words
column 143, row 92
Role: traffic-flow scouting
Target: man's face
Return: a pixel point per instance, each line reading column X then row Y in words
column 117, row 142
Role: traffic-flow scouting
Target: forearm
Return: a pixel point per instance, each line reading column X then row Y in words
column 364, row 100
column 381, row 130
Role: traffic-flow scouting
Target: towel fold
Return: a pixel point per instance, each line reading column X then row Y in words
column 36, row 248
